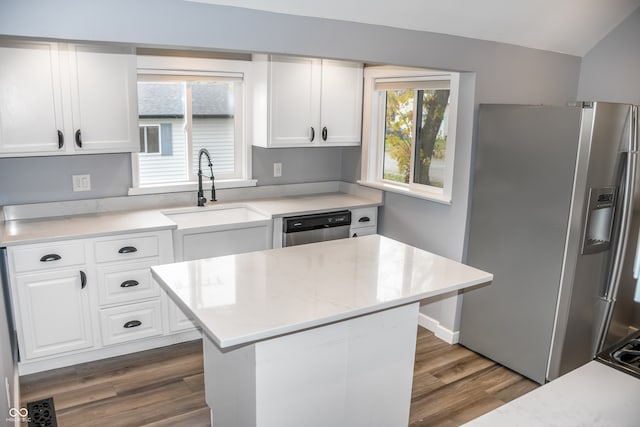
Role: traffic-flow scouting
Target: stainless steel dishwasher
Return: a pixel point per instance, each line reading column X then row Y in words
column 302, row 229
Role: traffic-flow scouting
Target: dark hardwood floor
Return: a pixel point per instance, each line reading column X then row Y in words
column 164, row 387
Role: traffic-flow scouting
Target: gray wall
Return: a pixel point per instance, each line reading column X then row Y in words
column 48, row 179
column 496, row 73
column 611, row 69
column 298, row 165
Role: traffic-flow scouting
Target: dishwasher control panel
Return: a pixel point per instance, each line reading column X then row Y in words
column 295, row 224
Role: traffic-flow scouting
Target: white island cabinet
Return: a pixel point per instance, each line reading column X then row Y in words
column 314, row 335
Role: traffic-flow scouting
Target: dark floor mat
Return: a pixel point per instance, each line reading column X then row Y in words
column 42, row 413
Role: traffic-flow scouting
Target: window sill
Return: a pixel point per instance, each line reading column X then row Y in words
column 191, row 186
column 399, row 189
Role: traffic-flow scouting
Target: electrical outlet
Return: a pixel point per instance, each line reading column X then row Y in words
column 81, row 182
column 277, row 169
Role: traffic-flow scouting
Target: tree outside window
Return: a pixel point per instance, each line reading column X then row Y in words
column 410, row 150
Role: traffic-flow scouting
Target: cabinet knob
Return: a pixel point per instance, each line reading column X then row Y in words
column 129, row 283
column 127, row 250
column 83, row 279
column 132, row 324
column 324, row 133
column 50, row 257
column 313, row 134
column 79, row 138
column 60, row 139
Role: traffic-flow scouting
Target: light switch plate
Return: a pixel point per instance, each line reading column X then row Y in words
column 81, row 182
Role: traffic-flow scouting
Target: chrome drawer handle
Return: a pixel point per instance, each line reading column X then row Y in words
column 128, row 250
column 50, row 257
column 129, row 283
column 132, row 324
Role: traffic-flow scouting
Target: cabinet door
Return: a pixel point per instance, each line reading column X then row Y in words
column 294, row 99
column 104, row 99
column 55, row 313
column 30, row 99
column 341, row 107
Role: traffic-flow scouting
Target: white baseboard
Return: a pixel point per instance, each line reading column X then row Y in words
column 446, row 335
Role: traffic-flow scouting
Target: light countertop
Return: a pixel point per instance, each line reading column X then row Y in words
column 70, row 226
column 239, row 299
column 592, row 395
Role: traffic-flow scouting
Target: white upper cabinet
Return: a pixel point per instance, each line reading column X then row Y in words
column 103, row 99
column 60, row 99
column 341, row 103
column 30, row 99
column 305, row 102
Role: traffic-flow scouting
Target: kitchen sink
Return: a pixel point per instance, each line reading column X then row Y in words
column 218, row 230
column 216, row 217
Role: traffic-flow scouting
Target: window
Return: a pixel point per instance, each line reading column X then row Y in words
column 150, row 139
column 409, row 131
column 181, row 112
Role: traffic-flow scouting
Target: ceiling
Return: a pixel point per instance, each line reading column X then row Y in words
column 566, row 26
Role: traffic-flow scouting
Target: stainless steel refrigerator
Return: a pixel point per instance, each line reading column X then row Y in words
column 555, row 215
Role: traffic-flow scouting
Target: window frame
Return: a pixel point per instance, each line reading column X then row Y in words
column 373, row 131
column 146, row 135
column 199, row 69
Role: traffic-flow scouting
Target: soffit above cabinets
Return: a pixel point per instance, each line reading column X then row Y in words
column 565, row 26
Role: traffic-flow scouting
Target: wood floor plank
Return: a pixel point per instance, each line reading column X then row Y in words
column 198, row 418
column 123, row 406
column 461, row 368
column 195, row 382
column 165, row 387
column 71, row 397
column 515, row 390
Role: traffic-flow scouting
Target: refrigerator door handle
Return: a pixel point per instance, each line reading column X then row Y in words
column 627, row 205
column 621, row 244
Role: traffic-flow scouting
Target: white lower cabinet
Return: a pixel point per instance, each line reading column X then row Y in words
column 87, row 299
column 54, row 312
column 178, row 321
column 364, row 221
column 131, row 322
column 117, row 285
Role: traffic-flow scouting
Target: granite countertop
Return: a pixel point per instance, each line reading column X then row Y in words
column 592, row 395
column 239, row 299
column 82, row 225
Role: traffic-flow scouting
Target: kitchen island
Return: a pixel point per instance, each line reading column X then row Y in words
column 314, row 335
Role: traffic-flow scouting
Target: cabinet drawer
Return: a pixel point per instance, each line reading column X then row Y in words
column 365, row 217
column 133, row 284
column 131, row 322
column 124, row 249
column 37, row 258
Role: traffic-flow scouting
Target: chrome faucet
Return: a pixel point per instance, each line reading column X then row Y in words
column 201, row 198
